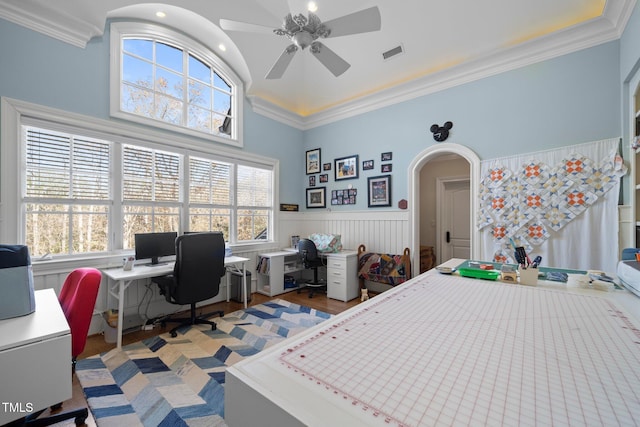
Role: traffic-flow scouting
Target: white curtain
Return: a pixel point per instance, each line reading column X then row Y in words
column 560, row 204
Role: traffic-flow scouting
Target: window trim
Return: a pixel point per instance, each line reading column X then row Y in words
column 13, row 114
column 145, row 30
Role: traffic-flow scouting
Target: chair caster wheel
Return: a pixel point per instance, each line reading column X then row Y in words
column 56, row 406
column 80, row 421
column 174, row 334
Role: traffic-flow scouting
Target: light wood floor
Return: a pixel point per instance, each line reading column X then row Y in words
column 96, row 343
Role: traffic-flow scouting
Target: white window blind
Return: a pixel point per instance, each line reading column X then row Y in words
column 150, row 175
column 63, row 166
column 254, row 187
column 210, row 182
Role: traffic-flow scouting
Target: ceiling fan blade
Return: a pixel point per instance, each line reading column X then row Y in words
column 229, row 25
column 329, row 58
column 363, row 21
column 282, row 63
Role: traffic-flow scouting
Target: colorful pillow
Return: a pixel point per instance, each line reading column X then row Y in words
column 327, row 242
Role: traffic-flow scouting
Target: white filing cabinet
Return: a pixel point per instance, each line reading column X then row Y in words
column 35, row 359
column 342, row 280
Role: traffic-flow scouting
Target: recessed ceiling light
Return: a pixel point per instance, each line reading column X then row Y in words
column 160, row 14
column 222, row 47
column 312, row 6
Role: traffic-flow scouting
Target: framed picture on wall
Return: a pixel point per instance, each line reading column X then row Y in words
column 313, row 161
column 316, row 197
column 367, row 165
column 379, row 191
column 346, row 167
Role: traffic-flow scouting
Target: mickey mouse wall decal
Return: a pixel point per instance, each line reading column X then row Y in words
column 440, row 133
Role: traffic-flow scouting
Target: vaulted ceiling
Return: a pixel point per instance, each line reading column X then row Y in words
column 443, row 43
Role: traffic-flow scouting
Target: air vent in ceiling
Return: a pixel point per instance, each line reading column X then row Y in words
column 392, row 52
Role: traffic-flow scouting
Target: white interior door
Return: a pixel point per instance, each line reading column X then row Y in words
column 454, row 220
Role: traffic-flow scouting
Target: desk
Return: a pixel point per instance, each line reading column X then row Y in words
column 342, row 269
column 35, row 359
column 122, row 279
column 448, row 350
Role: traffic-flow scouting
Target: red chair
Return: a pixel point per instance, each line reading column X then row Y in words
column 78, row 299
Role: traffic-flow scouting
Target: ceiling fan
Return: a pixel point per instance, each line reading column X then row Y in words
column 304, row 32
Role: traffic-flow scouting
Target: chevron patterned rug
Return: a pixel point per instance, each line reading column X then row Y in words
column 180, row 381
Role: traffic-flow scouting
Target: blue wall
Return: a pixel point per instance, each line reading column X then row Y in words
column 564, row 101
column 42, row 70
column 568, row 100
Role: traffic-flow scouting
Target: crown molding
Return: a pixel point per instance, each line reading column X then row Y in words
column 51, row 22
column 608, row 27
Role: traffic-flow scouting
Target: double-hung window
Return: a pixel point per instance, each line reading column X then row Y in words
column 151, row 191
column 236, row 199
column 66, row 192
column 88, row 186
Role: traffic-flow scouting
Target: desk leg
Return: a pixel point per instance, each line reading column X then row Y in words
column 244, row 283
column 121, row 287
column 228, row 274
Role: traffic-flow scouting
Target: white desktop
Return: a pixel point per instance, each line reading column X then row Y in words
column 121, row 279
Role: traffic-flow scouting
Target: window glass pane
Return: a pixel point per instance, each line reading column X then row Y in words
column 252, row 224
column 168, row 110
column 47, row 229
column 220, row 83
column 199, row 94
column 136, row 219
column 199, row 118
column 148, row 219
column 137, row 101
column 169, row 57
column 207, row 219
column 90, row 225
column 139, row 47
column 137, row 71
column 199, row 70
column 169, row 83
column 221, row 102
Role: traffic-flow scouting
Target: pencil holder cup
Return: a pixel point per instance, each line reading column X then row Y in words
column 528, row 276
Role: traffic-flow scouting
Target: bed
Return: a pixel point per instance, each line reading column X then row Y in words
column 448, row 350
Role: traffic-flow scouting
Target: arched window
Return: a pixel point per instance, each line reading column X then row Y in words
column 163, row 78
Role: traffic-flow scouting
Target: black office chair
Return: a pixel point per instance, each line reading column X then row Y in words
column 310, row 259
column 196, row 276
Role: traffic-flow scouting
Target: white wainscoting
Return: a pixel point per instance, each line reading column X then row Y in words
column 385, row 231
column 139, row 299
column 379, row 231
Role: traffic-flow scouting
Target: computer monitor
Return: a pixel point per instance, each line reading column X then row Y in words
column 155, row 245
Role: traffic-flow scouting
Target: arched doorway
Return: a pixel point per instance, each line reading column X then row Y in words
column 415, row 167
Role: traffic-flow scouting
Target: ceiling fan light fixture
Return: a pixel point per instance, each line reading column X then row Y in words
column 312, row 6
column 305, row 31
column 302, row 39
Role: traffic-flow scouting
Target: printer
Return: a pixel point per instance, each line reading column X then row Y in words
column 16, row 282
